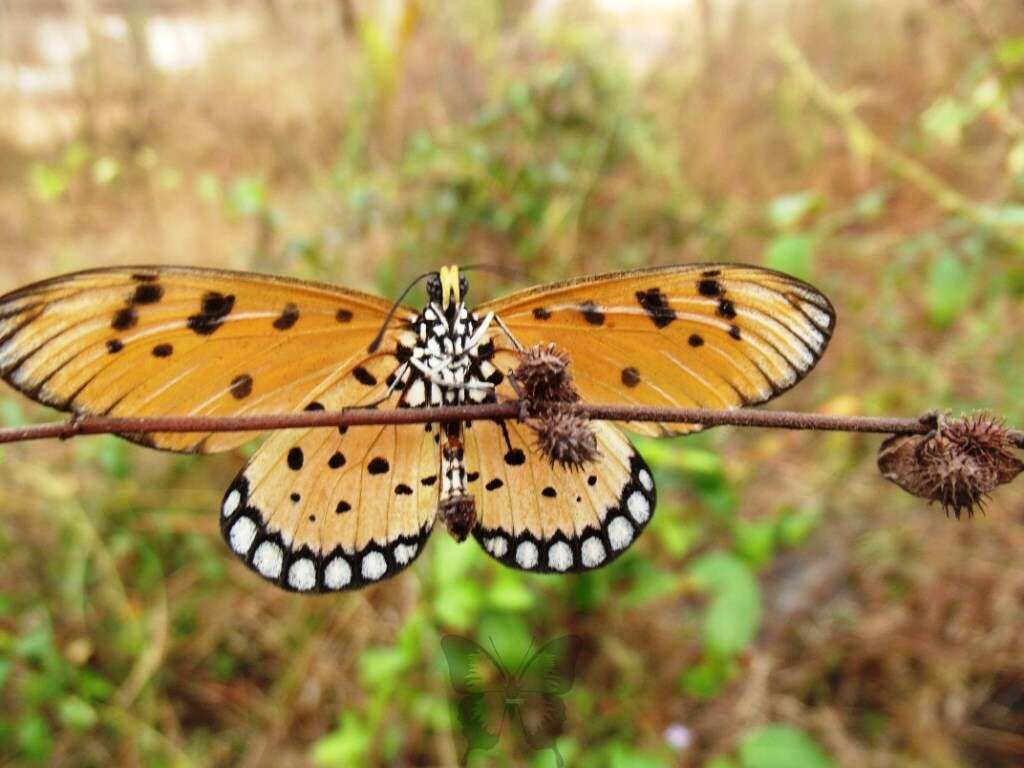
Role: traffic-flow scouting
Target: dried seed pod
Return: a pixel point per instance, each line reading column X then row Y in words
column 543, row 374
column 959, row 463
column 565, row 437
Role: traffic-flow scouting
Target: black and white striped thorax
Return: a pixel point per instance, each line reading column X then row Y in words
column 446, row 359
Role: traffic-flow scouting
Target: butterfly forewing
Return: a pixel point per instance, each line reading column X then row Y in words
column 161, row 341
column 715, row 336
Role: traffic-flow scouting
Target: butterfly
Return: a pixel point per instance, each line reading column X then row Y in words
column 327, row 509
column 529, row 697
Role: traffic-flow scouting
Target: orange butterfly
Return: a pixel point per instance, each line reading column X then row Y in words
column 326, row 509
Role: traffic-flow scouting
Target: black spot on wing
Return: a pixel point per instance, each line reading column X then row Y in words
column 655, row 304
column 591, row 313
column 726, row 309
column 215, row 307
column 288, row 317
column 495, row 484
column 343, row 507
column 124, row 318
column 541, row 313
column 695, row 340
column 363, row 376
column 403, row 490
column 549, row 492
column 708, row 287
column 147, row 293
column 630, row 376
column 337, row 461
column 378, row 466
column 343, row 316
column 295, row 459
column 515, row 457
column 734, row 331
column 241, row 387
column 429, row 480
column 163, row 350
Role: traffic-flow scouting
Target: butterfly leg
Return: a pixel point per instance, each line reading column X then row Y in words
column 401, row 374
column 508, row 333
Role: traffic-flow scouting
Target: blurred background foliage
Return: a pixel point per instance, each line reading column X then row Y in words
column 787, row 609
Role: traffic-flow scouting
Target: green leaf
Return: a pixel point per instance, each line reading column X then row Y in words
column 945, row 121
column 77, row 713
column 626, row 757
column 378, row 667
column 706, row 680
column 792, row 254
column 247, row 196
column 47, row 184
column 509, row 592
column 734, row 612
column 1010, row 51
column 346, row 745
column 755, row 540
column 33, row 737
column 787, row 211
column 796, row 525
column 949, row 289
column 105, row 170
column 456, row 604
column 781, row 746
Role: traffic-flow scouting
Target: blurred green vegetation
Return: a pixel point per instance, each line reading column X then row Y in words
column 786, row 608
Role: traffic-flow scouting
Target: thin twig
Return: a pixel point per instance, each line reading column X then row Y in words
column 511, row 410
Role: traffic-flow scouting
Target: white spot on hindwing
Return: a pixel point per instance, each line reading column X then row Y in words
column 639, row 507
column 646, row 480
column 405, row 552
column 374, row 566
column 560, row 556
column 302, row 575
column 526, row 555
column 231, row 502
column 620, row 533
column 268, row 559
column 242, row 534
column 338, row 573
column 592, row 552
column 497, row 546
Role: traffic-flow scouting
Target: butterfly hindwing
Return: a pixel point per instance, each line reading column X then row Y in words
column 543, row 518
column 322, row 510
column 161, row 341
column 705, row 335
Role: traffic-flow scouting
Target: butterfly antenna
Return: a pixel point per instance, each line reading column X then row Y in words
column 497, row 657
column 375, row 344
column 526, row 656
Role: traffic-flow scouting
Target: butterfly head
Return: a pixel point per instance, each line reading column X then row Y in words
column 447, row 287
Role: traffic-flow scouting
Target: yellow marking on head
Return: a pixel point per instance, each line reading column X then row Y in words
column 449, row 284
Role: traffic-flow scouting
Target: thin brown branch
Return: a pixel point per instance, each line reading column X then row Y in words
column 740, row 417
